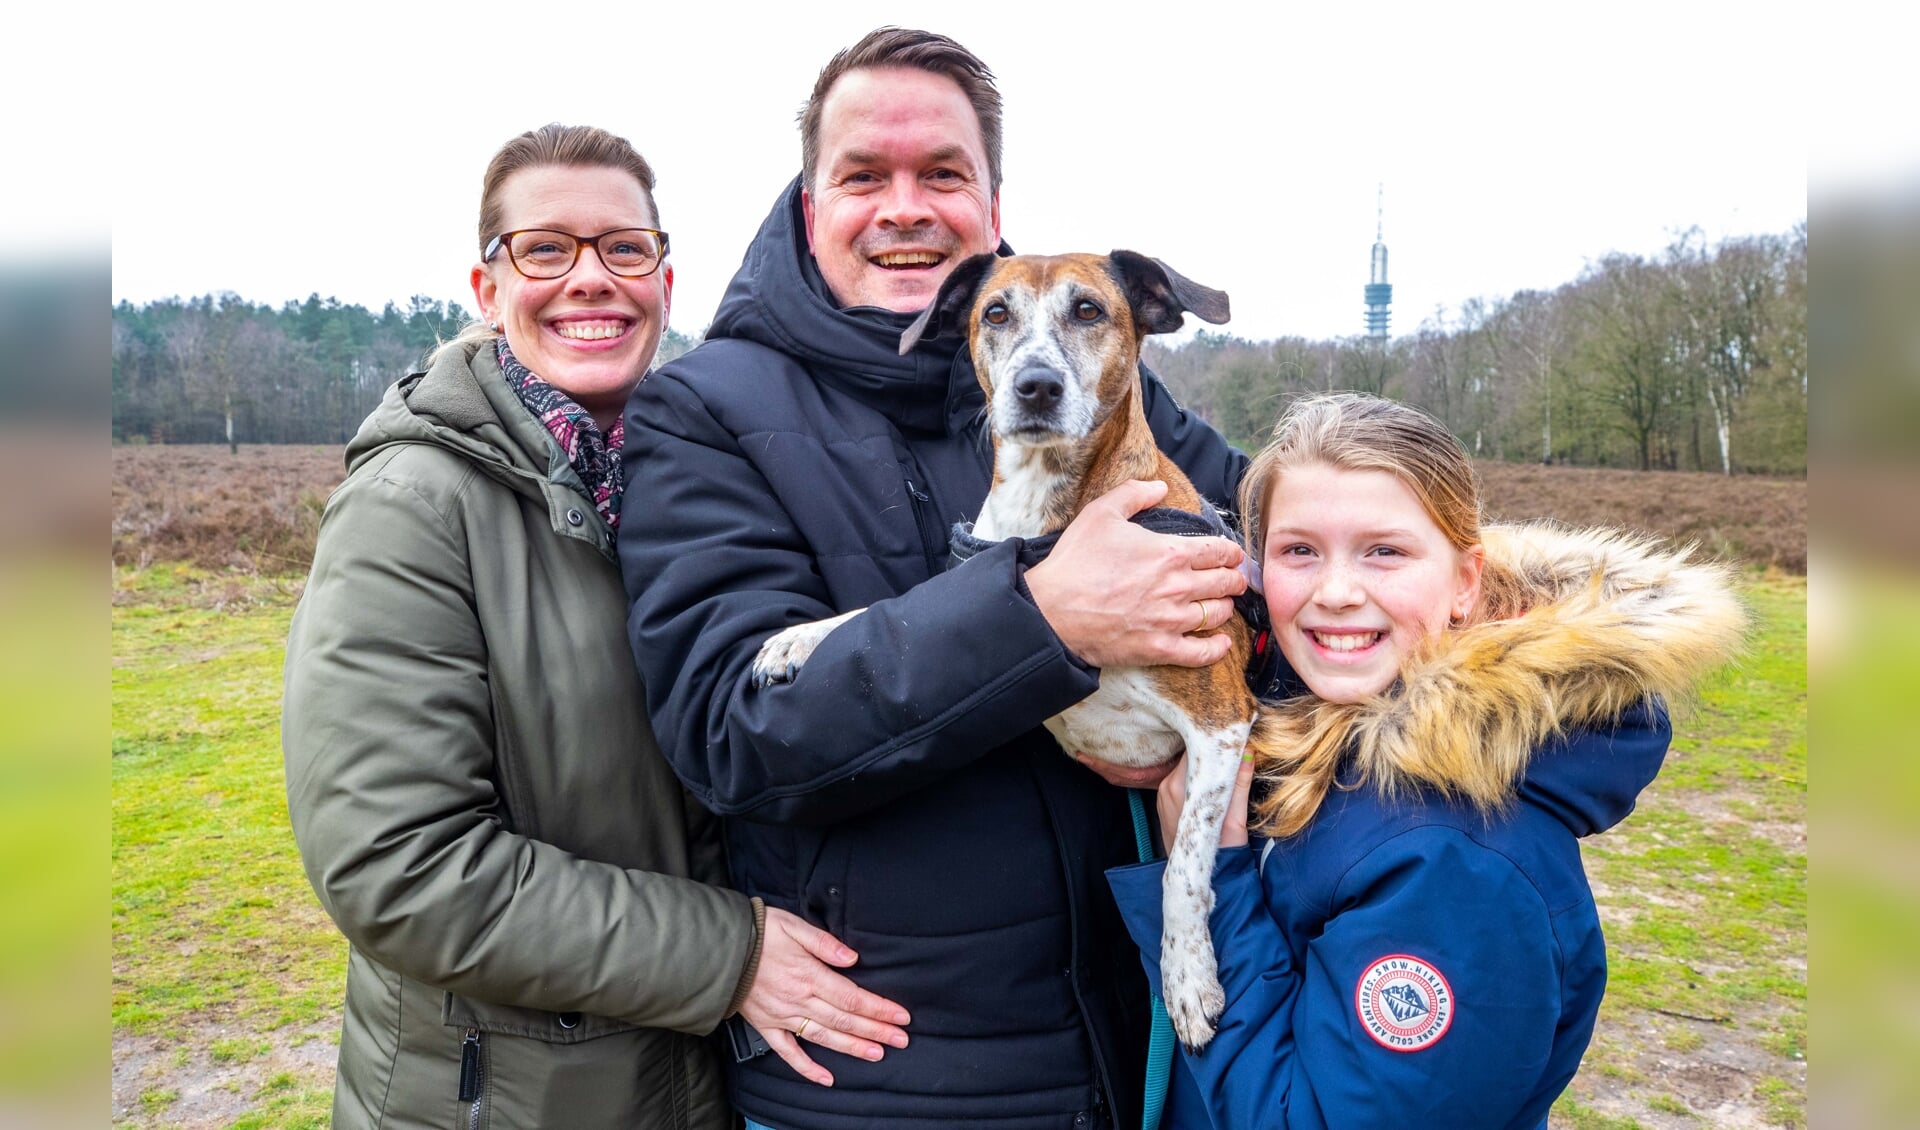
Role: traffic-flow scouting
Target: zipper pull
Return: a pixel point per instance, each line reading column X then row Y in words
column 470, row 1066
column 915, row 492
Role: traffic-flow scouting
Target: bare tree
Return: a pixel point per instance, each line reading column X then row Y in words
column 219, row 349
column 1627, row 346
column 1526, row 336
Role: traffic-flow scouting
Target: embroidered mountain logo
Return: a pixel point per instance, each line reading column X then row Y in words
column 1404, row 1003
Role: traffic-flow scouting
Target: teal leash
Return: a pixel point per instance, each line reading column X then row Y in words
column 1160, row 1046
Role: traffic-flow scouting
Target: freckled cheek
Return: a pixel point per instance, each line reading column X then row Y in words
column 1283, row 595
column 1416, row 605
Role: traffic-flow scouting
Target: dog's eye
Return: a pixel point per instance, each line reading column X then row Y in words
column 995, row 314
column 1087, row 311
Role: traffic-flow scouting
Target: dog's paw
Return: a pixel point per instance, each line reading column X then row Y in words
column 782, row 656
column 1194, row 997
column 1195, row 1020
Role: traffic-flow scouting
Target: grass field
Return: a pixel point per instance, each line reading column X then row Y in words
column 227, row 976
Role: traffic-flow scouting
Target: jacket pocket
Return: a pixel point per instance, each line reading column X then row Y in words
column 824, row 893
column 461, row 1012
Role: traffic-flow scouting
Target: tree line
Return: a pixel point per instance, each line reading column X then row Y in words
column 1692, row 359
column 219, row 369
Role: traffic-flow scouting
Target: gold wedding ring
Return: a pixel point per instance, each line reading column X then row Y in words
column 1203, row 615
column 802, row 1030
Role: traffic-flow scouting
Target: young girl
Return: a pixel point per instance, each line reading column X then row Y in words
column 1412, row 941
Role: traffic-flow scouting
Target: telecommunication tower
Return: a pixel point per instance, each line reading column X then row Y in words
column 1379, row 291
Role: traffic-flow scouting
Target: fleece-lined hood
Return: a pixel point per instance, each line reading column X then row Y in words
column 778, row 299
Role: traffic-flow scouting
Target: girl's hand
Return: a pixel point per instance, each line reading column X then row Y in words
column 1172, row 797
column 796, row 994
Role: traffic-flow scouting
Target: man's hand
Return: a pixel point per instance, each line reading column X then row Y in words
column 1119, row 595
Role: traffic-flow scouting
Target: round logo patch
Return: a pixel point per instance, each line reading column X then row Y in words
column 1404, row 1003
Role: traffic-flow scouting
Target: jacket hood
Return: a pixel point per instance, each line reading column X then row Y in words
column 778, row 299
column 1578, row 634
column 1591, row 780
column 462, row 403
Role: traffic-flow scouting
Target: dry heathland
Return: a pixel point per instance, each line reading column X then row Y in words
column 1757, row 521
column 259, row 511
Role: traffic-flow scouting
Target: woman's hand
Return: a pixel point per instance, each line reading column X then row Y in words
column 1172, row 797
column 796, row 994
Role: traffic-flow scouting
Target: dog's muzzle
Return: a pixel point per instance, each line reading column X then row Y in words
column 1036, row 392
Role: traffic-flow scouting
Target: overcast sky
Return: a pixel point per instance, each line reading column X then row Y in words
column 1516, row 143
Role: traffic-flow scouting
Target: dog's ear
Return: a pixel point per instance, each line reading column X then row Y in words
column 1159, row 294
column 950, row 306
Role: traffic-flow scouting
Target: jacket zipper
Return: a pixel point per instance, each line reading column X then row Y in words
column 932, row 543
column 472, row 1076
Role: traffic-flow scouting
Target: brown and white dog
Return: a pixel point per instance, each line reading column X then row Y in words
column 1056, row 346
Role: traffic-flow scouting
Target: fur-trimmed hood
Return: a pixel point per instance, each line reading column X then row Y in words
column 1574, row 628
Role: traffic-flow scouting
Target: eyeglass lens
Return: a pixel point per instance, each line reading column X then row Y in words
column 550, row 254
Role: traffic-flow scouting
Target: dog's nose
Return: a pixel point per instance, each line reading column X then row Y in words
column 1039, row 388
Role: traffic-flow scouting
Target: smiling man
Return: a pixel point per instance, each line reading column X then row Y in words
column 901, row 189
column 901, row 791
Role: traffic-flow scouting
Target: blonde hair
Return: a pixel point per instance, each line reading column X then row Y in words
column 587, row 147
column 1350, row 432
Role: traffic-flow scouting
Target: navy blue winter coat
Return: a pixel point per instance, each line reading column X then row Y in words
column 899, row 793
column 1411, row 963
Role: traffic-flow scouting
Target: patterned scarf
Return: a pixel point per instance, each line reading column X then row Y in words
column 595, row 455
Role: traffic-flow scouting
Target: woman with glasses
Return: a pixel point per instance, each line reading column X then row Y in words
column 539, row 931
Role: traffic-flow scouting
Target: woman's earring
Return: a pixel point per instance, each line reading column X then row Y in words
column 494, row 326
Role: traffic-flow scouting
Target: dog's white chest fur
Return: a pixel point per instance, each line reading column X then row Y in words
column 1017, row 505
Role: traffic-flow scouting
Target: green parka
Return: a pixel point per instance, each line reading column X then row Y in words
column 478, row 798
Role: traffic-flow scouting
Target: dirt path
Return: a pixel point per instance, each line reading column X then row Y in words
column 211, row 1075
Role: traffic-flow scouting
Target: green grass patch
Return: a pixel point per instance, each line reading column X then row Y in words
column 213, row 919
column 1785, row 1104
column 1747, row 733
column 242, row 1049
column 283, row 1104
column 157, row 1099
column 1569, row 1112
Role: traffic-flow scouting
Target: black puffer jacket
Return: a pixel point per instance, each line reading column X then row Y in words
column 900, row 792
